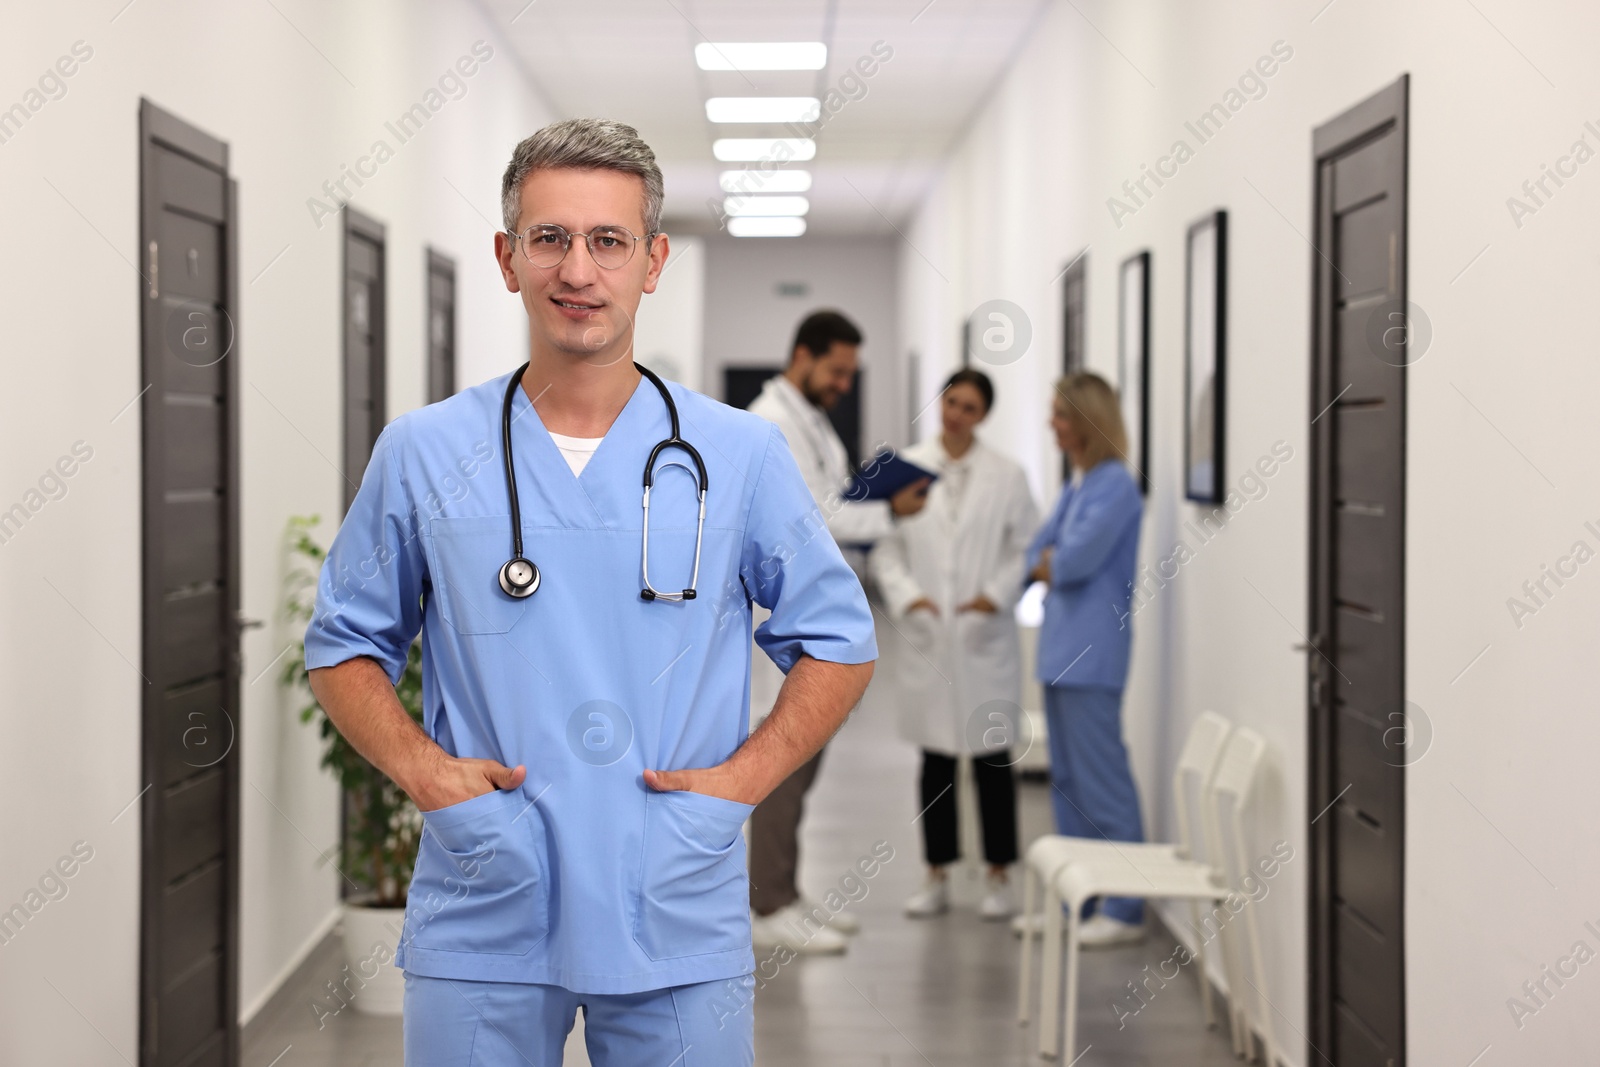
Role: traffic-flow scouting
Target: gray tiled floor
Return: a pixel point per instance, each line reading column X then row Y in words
column 936, row 993
column 944, row 991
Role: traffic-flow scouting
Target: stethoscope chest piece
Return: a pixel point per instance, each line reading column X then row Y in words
column 519, row 577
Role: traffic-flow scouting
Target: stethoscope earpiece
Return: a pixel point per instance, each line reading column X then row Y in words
column 519, row 577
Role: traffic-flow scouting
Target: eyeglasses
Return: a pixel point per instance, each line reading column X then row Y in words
column 610, row 247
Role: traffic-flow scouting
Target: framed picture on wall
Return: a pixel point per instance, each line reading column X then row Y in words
column 1205, row 358
column 1133, row 360
column 1073, row 281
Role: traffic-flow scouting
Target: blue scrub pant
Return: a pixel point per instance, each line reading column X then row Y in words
column 1091, row 781
column 454, row 1023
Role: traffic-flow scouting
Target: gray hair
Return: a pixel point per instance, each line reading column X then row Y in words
column 584, row 144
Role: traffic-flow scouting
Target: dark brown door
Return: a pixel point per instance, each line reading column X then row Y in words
column 741, row 385
column 1357, row 659
column 846, row 418
column 441, row 326
column 365, row 343
column 189, row 892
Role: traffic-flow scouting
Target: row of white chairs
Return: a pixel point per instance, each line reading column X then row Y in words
column 1221, row 762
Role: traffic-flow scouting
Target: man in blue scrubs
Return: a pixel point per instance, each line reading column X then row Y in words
column 585, row 764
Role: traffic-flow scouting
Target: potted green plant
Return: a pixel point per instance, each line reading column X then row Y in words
column 382, row 826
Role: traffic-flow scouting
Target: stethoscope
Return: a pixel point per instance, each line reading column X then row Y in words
column 520, row 578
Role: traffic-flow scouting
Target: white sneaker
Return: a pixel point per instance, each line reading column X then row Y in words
column 997, row 905
column 932, row 899
column 840, row 920
column 1102, row 931
column 797, row 929
column 1031, row 925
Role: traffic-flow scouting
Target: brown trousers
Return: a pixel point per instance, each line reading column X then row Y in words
column 775, row 840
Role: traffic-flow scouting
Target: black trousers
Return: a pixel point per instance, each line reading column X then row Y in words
column 997, row 807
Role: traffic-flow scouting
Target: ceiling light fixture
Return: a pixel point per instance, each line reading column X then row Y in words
column 766, row 181
column 772, row 55
column 746, row 206
column 767, row 226
column 763, row 109
column 754, row 149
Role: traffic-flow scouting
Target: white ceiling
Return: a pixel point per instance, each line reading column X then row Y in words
column 633, row 60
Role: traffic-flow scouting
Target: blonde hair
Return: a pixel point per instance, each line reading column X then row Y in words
column 1092, row 406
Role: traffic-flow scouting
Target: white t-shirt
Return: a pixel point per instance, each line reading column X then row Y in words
column 576, row 449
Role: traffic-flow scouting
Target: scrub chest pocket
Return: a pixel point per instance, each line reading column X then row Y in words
column 694, row 896
column 480, row 883
column 465, row 586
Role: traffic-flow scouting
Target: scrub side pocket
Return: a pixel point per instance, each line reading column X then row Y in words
column 694, row 895
column 480, row 882
column 464, row 561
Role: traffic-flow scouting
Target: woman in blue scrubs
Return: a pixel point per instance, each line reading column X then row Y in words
column 585, row 765
column 1086, row 552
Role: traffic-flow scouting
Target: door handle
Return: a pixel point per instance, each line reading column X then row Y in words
column 247, row 623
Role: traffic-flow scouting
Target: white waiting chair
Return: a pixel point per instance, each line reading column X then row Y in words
column 1047, row 855
column 1154, row 877
column 1234, row 784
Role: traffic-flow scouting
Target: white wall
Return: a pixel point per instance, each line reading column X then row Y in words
column 1499, row 877
column 669, row 336
column 69, row 594
column 748, row 322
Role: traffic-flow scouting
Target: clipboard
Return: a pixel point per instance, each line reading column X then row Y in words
column 884, row 475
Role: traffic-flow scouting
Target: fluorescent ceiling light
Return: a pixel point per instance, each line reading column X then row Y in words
column 763, row 109
column 741, row 206
column 753, row 149
column 767, row 226
column 774, row 55
column 766, row 181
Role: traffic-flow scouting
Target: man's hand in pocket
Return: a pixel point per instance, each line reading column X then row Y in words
column 456, row 781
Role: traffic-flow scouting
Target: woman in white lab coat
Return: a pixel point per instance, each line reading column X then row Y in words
column 951, row 576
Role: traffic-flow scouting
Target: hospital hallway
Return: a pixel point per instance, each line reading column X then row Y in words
column 458, row 459
column 910, row 992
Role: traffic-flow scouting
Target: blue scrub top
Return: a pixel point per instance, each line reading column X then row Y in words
column 584, row 877
column 1086, row 636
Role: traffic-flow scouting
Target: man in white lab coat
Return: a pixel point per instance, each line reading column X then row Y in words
column 822, row 368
